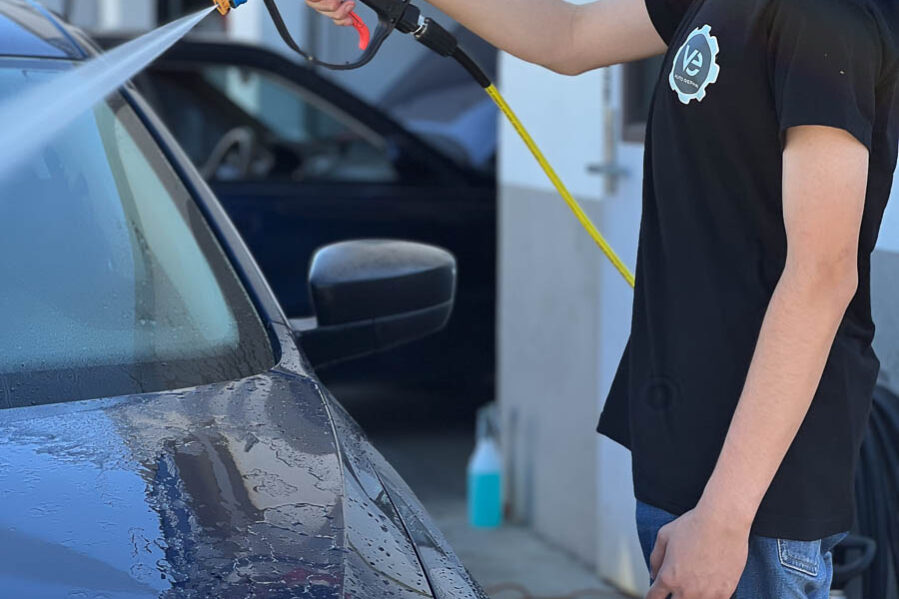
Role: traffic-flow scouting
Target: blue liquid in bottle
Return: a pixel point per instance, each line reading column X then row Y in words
column 485, row 486
column 485, row 500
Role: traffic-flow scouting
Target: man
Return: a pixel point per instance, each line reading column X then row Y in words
column 745, row 388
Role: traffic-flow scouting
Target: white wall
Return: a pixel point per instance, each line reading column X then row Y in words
column 564, row 317
column 547, row 381
column 551, row 275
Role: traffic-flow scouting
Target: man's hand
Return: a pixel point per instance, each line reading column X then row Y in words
column 701, row 555
column 336, row 10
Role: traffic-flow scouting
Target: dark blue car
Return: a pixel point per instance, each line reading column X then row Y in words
column 299, row 162
column 162, row 432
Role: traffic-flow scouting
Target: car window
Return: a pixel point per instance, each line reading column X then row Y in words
column 240, row 123
column 112, row 281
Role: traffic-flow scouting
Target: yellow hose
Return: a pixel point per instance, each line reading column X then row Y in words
column 560, row 186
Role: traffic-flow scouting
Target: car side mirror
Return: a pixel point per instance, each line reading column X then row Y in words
column 370, row 296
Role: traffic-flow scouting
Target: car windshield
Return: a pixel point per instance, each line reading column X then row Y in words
column 112, row 282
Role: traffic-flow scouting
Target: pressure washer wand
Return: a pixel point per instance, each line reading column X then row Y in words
column 435, row 37
column 407, row 18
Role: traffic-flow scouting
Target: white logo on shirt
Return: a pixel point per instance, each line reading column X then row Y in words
column 695, row 66
column 692, row 61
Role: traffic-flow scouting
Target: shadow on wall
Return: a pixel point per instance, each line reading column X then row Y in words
column 884, row 307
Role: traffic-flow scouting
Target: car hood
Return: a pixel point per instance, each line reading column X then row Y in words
column 238, row 489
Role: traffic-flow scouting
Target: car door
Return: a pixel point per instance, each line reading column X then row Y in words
column 299, row 163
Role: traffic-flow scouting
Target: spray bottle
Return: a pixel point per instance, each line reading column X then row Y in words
column 485, row 474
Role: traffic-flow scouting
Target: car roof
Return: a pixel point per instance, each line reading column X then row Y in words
column 28, row 29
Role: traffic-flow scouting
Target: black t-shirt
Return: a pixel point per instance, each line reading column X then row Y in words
column 738, row 73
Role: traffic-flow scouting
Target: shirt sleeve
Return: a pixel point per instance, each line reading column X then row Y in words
column 666, row 15
column 825, row 60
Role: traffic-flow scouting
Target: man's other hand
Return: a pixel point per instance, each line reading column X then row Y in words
column 701, row 555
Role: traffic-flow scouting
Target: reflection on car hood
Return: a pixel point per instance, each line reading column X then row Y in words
column 231, row 490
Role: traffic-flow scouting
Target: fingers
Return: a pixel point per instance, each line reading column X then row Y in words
column 659, row 591
column 324, row 6
column 336, row 10
column 658, row 554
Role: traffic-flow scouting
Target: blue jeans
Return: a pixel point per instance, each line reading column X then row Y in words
column 776, row 568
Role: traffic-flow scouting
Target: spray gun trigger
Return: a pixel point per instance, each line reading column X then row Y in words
column 361, row 28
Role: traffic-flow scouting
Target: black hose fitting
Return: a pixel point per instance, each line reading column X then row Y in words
column 434, row 36
column 409, row 21
column 472, row 67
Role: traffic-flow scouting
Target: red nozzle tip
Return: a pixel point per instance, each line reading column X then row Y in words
column 362, row 29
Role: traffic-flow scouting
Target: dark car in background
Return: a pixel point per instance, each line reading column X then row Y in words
column 299, row 162
column 162, row 430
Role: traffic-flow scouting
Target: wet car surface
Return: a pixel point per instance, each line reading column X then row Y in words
column 157, row 440
column 230, row 490
column 262, row 487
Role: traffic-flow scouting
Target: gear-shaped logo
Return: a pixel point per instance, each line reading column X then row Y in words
column 695, row 66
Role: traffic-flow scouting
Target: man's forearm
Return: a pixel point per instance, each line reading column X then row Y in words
column 567, row 38
column 795, row 340
column 537, row 31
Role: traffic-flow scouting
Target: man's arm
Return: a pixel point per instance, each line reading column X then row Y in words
column 825, row 171
column 560, row 36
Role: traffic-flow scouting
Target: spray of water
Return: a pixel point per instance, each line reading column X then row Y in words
column 32, row 118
